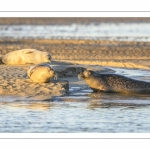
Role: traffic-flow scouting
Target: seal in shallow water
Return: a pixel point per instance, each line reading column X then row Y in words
column 41, row 73
column 114, row 83
column 26, row 56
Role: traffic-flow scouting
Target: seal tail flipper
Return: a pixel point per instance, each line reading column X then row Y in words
column 28, row 51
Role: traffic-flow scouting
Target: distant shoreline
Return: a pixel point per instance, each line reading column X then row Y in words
column 69, row 20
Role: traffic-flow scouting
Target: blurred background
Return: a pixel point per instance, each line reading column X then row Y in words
column 97, row 38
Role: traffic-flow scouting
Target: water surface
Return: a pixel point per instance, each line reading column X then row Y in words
column 102, row 31
column 82, row 111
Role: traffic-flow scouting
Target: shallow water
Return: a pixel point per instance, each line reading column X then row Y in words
column 102, row 31
column 82, row 111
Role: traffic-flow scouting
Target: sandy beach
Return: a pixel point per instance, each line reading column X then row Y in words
column 16, row 83
column 70, row 56
column 67, row 105
column 104, row 53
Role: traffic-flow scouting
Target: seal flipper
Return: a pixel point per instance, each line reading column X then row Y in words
column 104, row 89
column 100, row 89
column 28, row 51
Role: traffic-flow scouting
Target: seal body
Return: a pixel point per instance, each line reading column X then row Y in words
column 114, row 83
column 26, row 56
column 41, row 73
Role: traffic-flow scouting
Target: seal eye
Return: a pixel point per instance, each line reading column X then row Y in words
column 86, row 71
column 89, row 73
column 51, row 72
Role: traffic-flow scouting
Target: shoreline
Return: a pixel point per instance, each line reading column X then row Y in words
column 69, row 20
column 15, row 82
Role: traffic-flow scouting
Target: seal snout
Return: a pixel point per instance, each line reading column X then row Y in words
column 55, row 75
column 80, row 75
column 84, row 74
column 47, row 57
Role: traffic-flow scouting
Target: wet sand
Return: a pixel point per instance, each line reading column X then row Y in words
column 74, row 56
column 95, row 52
column 15, row 81
column 68, row 107
column 69, row 54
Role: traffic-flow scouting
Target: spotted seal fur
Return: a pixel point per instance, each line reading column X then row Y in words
column 114, row 83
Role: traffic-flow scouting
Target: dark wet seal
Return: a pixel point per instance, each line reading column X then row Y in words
column 114, row 83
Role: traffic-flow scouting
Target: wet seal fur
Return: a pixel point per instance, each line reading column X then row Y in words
column 114, row 83
column 26, row 56
column 41, row 73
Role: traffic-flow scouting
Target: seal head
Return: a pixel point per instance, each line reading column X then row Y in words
column 94, row 82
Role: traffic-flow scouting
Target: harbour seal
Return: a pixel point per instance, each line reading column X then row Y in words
column 41, row 73
column 114, row 83
column 26, row 56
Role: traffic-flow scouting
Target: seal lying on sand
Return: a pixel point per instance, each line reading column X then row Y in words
column 26, row 56
column 41, row 73
column 114, row 83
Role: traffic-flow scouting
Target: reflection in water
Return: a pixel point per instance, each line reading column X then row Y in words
column 81, row 111
column 107, row 100
column 121, row 103
column 28, row 105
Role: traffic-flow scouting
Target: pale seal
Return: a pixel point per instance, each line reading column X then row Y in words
column 41, row 73
column 26, row 56
column 114, row 83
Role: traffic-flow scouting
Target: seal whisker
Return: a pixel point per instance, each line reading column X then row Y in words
column 56, row 76
column 79, row 78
